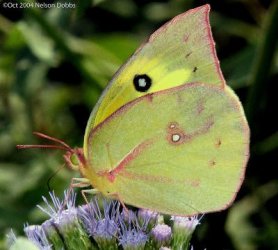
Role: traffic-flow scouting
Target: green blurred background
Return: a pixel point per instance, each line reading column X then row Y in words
column 55, row 62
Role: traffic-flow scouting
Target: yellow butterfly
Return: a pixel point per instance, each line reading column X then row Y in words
column 167, row 133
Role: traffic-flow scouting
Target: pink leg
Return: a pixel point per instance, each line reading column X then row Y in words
column 88, row 191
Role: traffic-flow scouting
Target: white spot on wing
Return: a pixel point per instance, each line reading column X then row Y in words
column 176, row 137
column 142, row 82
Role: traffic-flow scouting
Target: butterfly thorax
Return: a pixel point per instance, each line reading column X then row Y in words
column 98, row 181
column 76, row 160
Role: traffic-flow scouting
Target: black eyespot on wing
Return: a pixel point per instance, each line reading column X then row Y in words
column 142, row 83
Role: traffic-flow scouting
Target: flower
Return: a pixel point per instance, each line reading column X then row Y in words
column 187, row 223
column 128, row 215
column 11, row 238
column 182, row 230
column 161, row 235
column 37, row 235
column 102, row 227
column 107, row 223
column 132, row 236
column 64, row 222
column 148, row 216
column 56, row 206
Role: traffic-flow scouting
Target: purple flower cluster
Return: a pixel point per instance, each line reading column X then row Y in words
column 102, row 220
column 132, row 234
column 104, row 224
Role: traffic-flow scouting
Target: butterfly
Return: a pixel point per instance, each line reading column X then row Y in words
column 167, row 134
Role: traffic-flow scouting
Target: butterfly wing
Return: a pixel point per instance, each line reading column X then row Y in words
column 177, row 151
column 181, row 51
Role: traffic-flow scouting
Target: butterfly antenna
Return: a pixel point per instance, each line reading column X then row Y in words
column 62, row 146
column 38, row 134
column 41, row 146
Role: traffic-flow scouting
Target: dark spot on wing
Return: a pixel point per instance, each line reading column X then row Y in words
column 142, row 83
column 185, row 38
column 212, row 163
column 188, row 54
column 218, row 143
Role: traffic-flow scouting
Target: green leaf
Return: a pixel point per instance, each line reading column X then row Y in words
column 40, row 44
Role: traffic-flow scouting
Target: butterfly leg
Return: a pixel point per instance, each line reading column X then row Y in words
column 80, row 182
column 76, row 182
column 89, row 191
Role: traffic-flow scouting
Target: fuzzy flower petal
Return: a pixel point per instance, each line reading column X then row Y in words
column 188, row 223
column 161, row 235
column 102, row 226
column 37, row 235
column 10, row 238
column 149, row 217
column 132, row 235
column 56, row 206
column 183, row 229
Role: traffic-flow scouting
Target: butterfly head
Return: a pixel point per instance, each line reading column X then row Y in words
column 75, row 159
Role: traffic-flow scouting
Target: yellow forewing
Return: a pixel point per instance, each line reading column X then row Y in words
column 178, row 151
column 181, row 51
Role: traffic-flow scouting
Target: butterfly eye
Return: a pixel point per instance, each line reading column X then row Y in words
column 142, row 83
